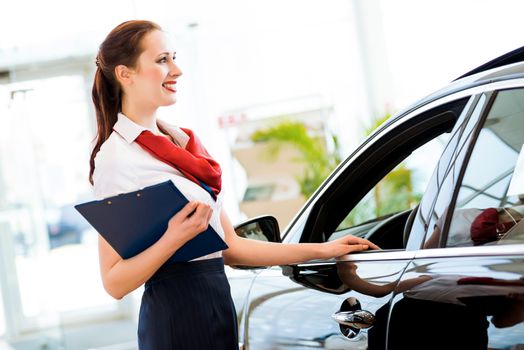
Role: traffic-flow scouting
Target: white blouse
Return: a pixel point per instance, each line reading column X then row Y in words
column 122, row 165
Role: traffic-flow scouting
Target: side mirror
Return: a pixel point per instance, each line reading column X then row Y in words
column 261, row 228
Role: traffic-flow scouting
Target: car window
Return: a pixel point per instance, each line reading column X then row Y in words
column 389, row 156
column 490, row 201
column 400, row 190
column 414, row 235
column 433, row 210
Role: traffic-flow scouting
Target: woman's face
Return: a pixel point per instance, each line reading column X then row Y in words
column 154, row 78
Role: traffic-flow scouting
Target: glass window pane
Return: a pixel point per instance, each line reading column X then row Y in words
column 448, row 166
column 400, row 189
column 486, row 212
column 444, row 163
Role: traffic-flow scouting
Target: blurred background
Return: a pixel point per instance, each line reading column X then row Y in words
column 279, row 91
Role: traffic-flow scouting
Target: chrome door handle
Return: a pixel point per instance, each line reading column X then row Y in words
column 359, row 319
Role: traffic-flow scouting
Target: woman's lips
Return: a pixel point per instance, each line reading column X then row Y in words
column 170, row 86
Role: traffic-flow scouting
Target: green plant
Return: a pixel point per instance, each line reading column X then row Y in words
column 392, row 194
column 318, row 162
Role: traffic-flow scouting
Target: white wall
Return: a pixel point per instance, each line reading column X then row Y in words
column 363, row 57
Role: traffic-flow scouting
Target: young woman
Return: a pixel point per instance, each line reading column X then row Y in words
column 184, row 305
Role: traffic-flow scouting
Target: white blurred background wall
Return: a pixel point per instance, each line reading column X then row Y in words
column 243, row 61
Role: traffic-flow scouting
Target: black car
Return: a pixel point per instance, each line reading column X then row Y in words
column 450, row 274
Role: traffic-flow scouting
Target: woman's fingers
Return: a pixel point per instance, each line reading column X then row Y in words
column 201, row 216
column 191, row 220
column 357, row 247
column 357, row 240
column 187, row 209
column 210, row 214
column 371, row 245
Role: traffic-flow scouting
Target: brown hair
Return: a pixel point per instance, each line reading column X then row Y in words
column 120, row 47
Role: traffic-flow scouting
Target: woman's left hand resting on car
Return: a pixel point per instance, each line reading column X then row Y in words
column 248, row 252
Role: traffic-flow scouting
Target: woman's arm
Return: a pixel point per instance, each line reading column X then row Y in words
column 243, row 251
column 122, row 276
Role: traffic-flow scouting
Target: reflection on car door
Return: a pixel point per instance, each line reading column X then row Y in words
column 286, row 315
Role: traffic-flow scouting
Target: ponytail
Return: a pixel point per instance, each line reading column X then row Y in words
column 107, row 99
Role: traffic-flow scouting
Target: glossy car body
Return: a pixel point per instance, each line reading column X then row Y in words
column 431, row 286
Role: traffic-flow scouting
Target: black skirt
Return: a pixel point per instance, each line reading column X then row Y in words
column 188, row 306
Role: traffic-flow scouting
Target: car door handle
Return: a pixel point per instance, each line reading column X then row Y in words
column 359, row 319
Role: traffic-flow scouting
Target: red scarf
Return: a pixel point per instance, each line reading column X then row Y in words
column 194, row 161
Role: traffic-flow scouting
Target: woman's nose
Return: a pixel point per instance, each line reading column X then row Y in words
column 174, row 70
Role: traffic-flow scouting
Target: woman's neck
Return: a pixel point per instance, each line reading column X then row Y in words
column 141, row 116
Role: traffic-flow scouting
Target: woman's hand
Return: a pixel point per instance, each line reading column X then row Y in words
column 189, row 222
column 345, row 245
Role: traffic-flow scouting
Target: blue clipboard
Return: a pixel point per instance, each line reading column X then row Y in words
column 132, row 222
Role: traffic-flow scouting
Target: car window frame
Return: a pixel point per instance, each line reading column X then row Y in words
column 420, row 228
column 422, row 127
column 478, row 125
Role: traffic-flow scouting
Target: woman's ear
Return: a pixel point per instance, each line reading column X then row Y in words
column 123, row 75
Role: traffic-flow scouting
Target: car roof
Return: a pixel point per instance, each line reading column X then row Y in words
column 507, row 66
column 514, row 56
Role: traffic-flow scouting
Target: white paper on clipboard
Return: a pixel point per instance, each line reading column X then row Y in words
column 516, row 186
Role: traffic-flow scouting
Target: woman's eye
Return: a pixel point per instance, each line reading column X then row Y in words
column 164, row 59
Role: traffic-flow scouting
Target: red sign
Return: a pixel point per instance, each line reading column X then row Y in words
column 231, row 119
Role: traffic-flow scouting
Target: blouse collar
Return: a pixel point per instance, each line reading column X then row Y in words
column 130, row 130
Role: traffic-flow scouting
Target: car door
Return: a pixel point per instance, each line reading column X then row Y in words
column 471, row 262
column 293, row 307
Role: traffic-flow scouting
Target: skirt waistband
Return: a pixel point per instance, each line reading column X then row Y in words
column 190, row 268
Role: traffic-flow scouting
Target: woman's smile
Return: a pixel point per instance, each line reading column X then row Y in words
column 170, row 86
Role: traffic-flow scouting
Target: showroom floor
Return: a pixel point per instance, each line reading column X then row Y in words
column 114, row 335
